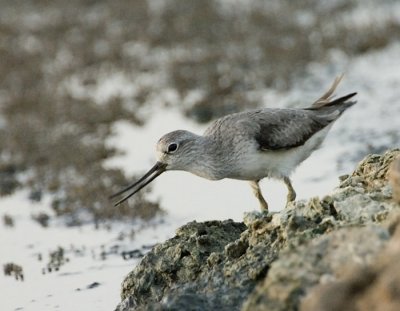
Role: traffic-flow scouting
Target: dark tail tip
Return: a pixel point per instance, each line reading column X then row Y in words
column 343, row 103
column 340, row 102
column 342, row 99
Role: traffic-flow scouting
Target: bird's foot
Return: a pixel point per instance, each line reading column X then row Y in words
column 291, row 197
column 264, row 206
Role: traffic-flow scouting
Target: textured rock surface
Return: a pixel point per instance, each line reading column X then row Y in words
column 323, row 259
column 375, row 286
column 394, row 178
column 179, row 262
column 271, row 262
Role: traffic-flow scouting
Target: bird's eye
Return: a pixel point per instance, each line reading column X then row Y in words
column 172, row 147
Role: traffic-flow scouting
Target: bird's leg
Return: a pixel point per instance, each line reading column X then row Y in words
column 257, row 192
column 291, row 196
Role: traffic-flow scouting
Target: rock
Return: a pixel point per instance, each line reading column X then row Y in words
column 179, row 262
column 236, row 249
column 372, row 287
column 372, row 172
column 93, row 285
column 297, row 270
column 17, row 271
column 272, row 261
column 394, row 178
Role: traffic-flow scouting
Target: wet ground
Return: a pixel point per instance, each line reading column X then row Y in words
column 87, row 87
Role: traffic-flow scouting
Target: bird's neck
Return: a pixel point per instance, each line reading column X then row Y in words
column 205, row 161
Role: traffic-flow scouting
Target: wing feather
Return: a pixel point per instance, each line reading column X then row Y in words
column 285, row 129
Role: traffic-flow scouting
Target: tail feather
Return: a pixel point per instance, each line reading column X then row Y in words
column 341, row 103
column 328, row 95
column 325, row 101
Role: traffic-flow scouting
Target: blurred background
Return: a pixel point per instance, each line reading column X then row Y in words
column 87, row 86
column 70, row 70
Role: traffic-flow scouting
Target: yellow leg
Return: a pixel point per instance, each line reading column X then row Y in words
column 257, row 192
column 291, row 196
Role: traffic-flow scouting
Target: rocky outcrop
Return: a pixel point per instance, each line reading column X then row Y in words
column 373, row 286
column 172, row 271
column 280, row 261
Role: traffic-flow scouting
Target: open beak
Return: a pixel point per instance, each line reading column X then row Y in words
column 152, row 174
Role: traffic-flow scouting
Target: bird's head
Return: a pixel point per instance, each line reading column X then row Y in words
column 175, row 151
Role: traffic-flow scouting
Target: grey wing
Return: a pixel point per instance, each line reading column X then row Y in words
column 287, row 128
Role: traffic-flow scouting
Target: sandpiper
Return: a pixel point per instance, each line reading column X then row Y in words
column 250, row 145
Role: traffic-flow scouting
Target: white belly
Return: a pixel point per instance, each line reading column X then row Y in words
column 257, row 164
